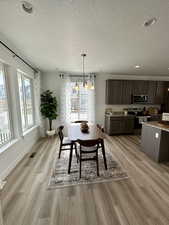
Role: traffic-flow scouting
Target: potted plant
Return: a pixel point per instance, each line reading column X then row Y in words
column 48, row 109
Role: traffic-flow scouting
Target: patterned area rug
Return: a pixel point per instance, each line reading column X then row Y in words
column 60, row 177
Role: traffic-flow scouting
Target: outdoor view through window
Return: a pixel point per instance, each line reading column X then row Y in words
column 5, row 132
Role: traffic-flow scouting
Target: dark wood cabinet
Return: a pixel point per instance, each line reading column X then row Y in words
column 126, row 92
column 151, row 92
column 121, row 91
column 160, row 89
column 114, row 92
column 119, row 124
column 166, row 97
column 140, row 87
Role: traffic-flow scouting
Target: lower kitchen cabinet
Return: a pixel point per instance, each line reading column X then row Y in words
column 119, row 124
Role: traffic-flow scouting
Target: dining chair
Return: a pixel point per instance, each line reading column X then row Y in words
column 80, row 121
column 100, row 127
column 89, row 147
column 101, row 145
column 65, row 143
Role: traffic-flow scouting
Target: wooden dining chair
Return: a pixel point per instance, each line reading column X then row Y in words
column 89, row 147
column 101, row 145
column 65, row 143
column 100, row 127
column 80, row 121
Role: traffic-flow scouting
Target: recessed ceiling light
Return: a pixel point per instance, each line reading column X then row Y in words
column 27, row 7
column 150, row 22
column 137, row 66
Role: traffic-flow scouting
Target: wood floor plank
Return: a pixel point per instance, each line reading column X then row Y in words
column 143, row 199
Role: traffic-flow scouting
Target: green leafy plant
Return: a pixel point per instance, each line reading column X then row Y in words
column 48, row 107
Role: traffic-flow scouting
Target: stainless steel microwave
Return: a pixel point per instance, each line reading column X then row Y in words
column 140, row 99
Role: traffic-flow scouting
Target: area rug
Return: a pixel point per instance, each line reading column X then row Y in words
column 60, row 177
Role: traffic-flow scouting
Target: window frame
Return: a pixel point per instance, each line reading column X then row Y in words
column 24, row 75
column 9, row 104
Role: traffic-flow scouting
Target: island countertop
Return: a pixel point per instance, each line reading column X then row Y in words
column 157, row 125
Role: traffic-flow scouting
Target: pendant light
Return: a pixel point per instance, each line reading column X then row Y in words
column 84, row 81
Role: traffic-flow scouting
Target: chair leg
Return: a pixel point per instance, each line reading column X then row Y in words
column 80, row 169
column 60, row 149
column 76, row 153
column 97, row 163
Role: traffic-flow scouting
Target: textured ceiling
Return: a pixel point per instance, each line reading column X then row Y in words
column 110, row 31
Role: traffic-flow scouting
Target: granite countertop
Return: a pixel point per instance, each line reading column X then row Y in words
column 157, row 125
column 119, row 115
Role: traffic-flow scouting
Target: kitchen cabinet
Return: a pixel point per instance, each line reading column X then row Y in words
column 121, row 91
column 155, row 142
column 126, row 92
column 119, row 124
column 151, row 92
column 160, row 89
column 114, row 92
column 118, row 92
column 140, row 87
column 166, row 97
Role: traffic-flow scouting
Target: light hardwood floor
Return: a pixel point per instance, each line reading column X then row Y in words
column 143, row 199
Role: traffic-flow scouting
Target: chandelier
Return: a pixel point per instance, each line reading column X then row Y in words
column 87, row 83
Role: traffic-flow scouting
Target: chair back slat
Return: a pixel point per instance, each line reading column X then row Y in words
column 80, row 121
column 89, row 143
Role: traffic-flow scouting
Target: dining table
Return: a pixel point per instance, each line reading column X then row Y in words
column 75, row 134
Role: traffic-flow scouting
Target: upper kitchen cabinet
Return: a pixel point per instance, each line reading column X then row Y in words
column 126, row 92
column 118, row 92
column 160, row 92
column 151, row 92
column 140, row 87
column 166, row 96
column 114, row 90
column 121, row 91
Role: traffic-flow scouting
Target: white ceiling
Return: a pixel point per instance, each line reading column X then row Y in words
column 110, row 31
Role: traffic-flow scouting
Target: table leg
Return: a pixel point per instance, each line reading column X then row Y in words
column 104, row 154
column 70, row 157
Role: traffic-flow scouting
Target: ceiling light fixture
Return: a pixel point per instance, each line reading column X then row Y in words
column 150, row 22
column 137, row 66
column 27, row 7
column 83, row 55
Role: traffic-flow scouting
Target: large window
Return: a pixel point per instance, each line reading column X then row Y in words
column 5, row 125
column 26, row 101
column 79, row 102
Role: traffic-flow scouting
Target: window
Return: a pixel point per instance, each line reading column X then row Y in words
column 79, row 102
column 26, row 101
column 5, row 125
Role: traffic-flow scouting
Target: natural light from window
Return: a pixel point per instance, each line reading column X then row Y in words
column 26, row 101
column 5, row 128
column 79, row 103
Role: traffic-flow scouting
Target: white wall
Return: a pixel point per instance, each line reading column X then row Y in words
column 15, row 152
column 53, row 82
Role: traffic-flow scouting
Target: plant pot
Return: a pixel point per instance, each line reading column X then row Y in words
column 50, row 132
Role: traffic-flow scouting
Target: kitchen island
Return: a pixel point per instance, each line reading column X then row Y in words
column 155, row 141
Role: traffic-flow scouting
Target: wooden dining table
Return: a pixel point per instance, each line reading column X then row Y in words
column 75, row 133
